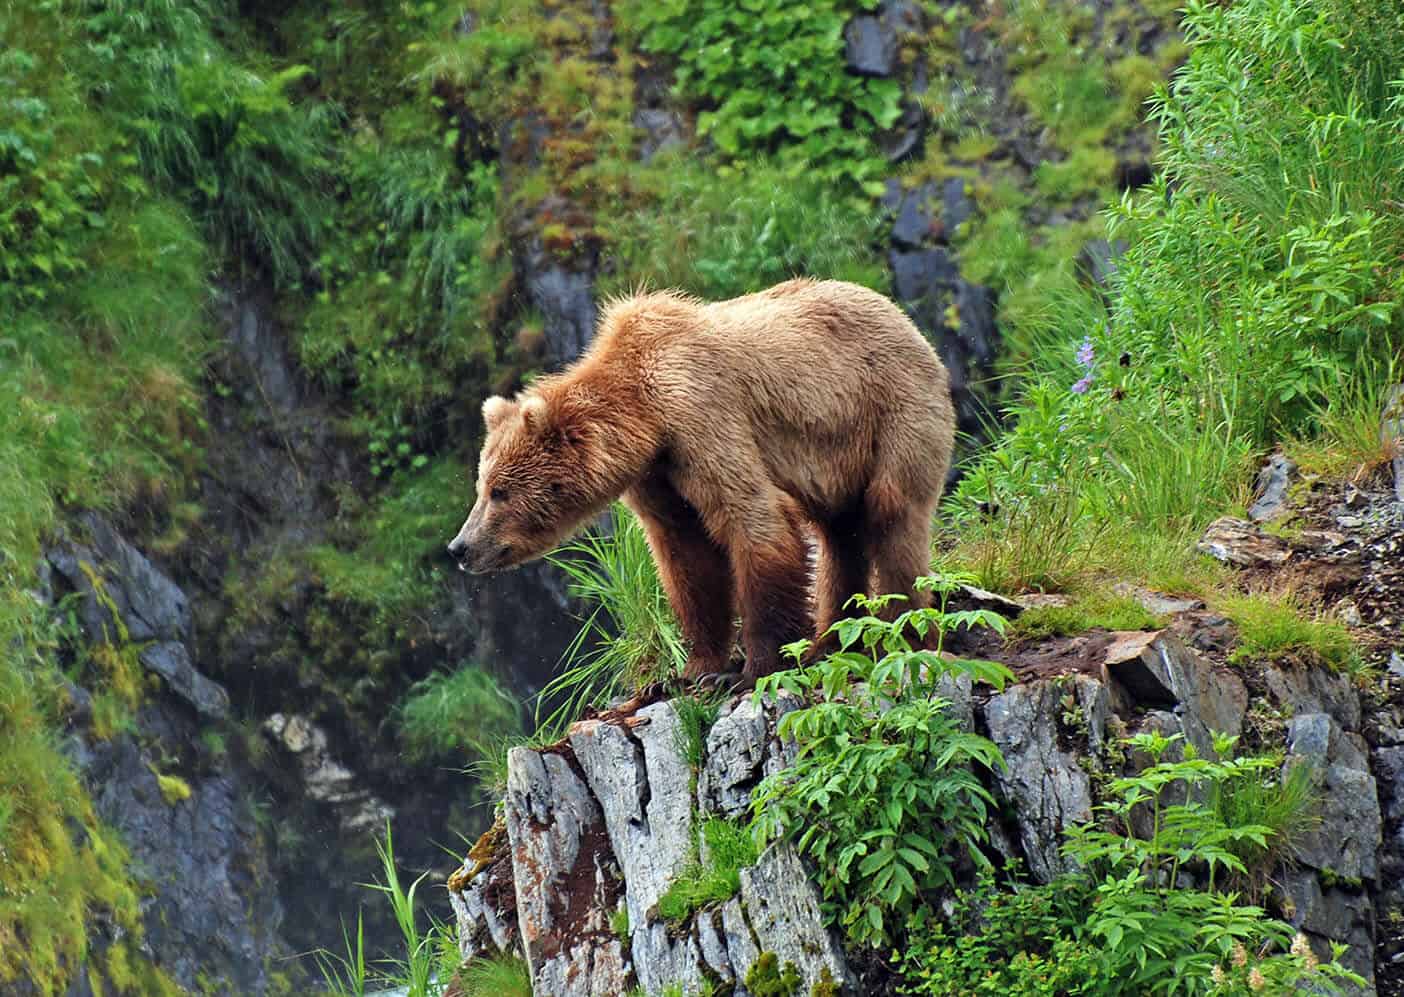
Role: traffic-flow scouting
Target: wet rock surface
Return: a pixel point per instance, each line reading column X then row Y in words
column 182, row 806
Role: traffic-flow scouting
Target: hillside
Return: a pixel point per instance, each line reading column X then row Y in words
column 260, row 263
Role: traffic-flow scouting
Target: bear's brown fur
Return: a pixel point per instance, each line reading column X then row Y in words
column 732, row 430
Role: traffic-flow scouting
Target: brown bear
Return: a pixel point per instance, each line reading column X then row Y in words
column 733, row 430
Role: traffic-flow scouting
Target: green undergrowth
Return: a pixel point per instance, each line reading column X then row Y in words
column 630, row 635
column 1257, row 304
column 457, row 715
column 1098, row 610
column 1128, row 920
column 817, row 118
column 726, row 848
column 1273, row 628
column 1075, row 86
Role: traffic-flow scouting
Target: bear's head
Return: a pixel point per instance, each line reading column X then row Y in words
column 534, row 483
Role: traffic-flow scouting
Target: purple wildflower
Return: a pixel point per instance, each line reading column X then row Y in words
column 1085, row 354
column 1080, row 388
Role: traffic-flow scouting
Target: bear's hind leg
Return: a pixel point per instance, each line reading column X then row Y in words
column 898, row 545
column 694, row 570
column 843, row 573
column 771, row 563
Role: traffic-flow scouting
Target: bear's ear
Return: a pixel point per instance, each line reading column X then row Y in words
column 496, row 410
column 534, row 412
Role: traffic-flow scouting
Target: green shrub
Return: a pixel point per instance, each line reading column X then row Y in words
column 883, row 790
column 771, row 78
column 1260, row 272
column 720, row 236
column 1128, row 922
column 456, row 714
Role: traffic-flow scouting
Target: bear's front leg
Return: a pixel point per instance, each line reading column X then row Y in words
column 772, row 578
column 694, row 570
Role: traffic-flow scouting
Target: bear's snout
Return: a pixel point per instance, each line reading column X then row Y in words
column 477, row 557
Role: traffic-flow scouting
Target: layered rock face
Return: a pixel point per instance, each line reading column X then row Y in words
column 597, row 827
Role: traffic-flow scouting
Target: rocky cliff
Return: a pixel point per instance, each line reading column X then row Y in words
column 593, row 830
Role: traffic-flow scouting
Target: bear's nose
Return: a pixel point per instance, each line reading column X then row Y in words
column 458, row 549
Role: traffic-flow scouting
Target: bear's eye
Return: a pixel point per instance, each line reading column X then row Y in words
column 498, row 495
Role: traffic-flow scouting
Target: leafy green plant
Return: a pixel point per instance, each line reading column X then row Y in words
column 883, row 790
column 631, row 632
column 1129, row 921
column 816, row 116
column 457, row 713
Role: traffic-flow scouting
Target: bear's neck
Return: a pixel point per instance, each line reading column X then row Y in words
column 624, row 426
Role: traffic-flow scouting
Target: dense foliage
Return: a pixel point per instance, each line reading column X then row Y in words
column 1148, row 912
column 1261, row 282
column 884, row 794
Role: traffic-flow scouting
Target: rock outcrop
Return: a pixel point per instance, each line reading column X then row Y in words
column 598, row 826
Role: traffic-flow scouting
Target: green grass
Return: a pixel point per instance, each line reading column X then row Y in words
column 1273, row 628
column 728, row 848
column 456, row 715
column 722, row 236
column 1086, row 612
column 498, row 976
column 695, row 718
column 631, row 634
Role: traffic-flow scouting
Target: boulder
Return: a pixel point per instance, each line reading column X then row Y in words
column 870, row 46
column 1157, row 669
column 566, row 879
column 1241, row 543
column 1347, row 840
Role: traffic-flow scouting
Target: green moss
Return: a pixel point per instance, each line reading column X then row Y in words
column 174, row 789
column 619, row 923
column 768, row 978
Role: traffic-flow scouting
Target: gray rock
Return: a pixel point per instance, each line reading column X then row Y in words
column 662, row 129
column 206, row 904
column 566, row 879
column 643, row 786
column 783, row 908
column 1046, row 787
column 1331, row 915
column 1395, row 666
column 1314, row 690
column 1348, row 838
column 870, row 46
column 171, row 661
column 711, row 942
column 1239, row 542
column 735, row 753
column 1270, row 502
column 1392, row 436
column 916, row 221
column 1159, row 669
column 564, row 296
column 324, row 778
column 956, row 205
column 741, row 948
column 149, row 605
